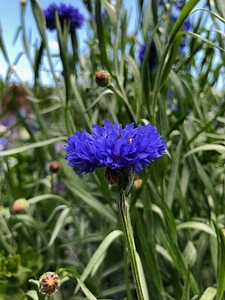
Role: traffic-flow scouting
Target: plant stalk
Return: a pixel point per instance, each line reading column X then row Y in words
column 123, row 209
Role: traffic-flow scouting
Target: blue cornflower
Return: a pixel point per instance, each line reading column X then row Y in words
column 152, row 56
column 114, row 147
column 67, row 14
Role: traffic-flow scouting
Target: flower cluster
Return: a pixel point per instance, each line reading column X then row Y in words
column 114, row 147
column 67, row 15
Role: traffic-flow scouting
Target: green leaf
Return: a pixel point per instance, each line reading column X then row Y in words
column 86, row 291
column 59, row 224
column 220, row 263
column 209, row 294
column 99, row 255
column 32, row 146
column 33, row 295
column 200, row 226
column 186, row 288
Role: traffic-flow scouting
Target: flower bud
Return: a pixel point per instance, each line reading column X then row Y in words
column 54, row 167
column 20, row 206
column 102, row 78
column 49, row 283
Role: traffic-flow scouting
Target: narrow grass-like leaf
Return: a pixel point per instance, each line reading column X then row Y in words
column 174, row 174
column 100, row 34
column 208, row 147
column 86, row 291
column 79, row 191
column 98, row 254
column 32, row 294
column 64, row 54
column 198, row 226
column 32, row 146
column 142, row 277
column 186, row 288
column 59, row 225
column 220, row 263
column 209, row 294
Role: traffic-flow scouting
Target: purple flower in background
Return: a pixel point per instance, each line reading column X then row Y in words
column 114, row 147
column 187, row 23
column 3, row 143
column 179, row 3
column 103, row 16
column 67, row 14
column 186, row 27
column 152, row 55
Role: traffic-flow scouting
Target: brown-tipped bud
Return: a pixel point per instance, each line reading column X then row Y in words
column 49, row 283
column 223, row 231
column 138, row 183
column 54, row 167
column 102, row 78
column 20, row 206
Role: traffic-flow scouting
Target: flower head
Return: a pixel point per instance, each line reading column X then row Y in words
column 67, row 15
column 114, row 147
column 49, row 283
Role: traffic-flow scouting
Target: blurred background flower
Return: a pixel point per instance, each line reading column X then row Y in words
column 68, row 15
column 152, row 55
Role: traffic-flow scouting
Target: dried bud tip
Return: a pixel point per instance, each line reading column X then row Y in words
column 138, row 183
column 20, row 206
column 102, row 78
column 49, row 283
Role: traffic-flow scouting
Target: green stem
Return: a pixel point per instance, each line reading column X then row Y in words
column 123, row 209
column 118, row 93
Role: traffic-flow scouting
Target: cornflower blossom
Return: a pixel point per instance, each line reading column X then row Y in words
column 152, row 56
column 67, row 15
column 114, row 147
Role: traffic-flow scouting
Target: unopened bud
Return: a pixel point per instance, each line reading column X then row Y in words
column 54, row 167
column 49, row 283
column 20, row 206
column 102, row 78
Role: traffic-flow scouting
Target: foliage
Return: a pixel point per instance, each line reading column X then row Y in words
column 72, row 224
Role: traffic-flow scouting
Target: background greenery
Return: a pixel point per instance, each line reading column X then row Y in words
column 72, row 225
